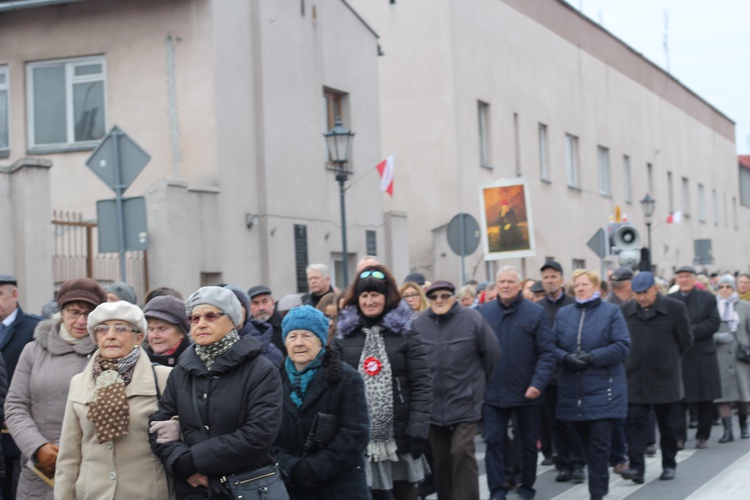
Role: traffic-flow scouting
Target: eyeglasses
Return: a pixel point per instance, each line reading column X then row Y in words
column 724, row 286
column 410, row 296
column 440, row 296
column 209, row 317
column 374, row 274
column 119, row 329
column 75, row 313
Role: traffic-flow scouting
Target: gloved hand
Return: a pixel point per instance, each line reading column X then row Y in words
column 166, row 430
column 573, row 363
column 586, row 357
column 416, row 447
column 46, row 456
column 302, row 475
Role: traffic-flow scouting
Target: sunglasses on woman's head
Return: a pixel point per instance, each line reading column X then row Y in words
column 372, row 274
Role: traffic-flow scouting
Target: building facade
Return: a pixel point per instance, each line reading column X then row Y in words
column 230, row 99
column 509, row 89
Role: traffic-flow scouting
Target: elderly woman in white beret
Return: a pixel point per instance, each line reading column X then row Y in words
column 228, row 399
column 104, row 445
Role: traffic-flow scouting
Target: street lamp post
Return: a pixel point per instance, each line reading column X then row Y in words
column 339, row 144
column 648, row 205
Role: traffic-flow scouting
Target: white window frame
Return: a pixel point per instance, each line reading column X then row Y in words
column 701, row 203
column 483, row 123
column 543, row 156
column 70, row 80
column 571, row 160
column 627, row 178
column 4, row 151
column 605, row 172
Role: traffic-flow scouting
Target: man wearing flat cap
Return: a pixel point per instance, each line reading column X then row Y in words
column 700, row 366
column 462, row 352
column 659, row 336
column 570, row 463
column 620, row 281
column 263, row 308
column 16, row 330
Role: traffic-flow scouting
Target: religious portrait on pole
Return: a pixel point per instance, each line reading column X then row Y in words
column 507, row 229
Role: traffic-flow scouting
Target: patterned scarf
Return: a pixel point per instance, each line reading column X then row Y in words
column 109, row 410
column 209, row 353
column 299, row 380
column 375, row 369
column 728, row 314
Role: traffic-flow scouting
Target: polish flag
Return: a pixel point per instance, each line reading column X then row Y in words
column 385, row 169
column 674, row 217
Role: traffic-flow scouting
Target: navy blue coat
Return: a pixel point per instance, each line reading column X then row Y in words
column 527, row 352
column 599, row 391
column 15, row 338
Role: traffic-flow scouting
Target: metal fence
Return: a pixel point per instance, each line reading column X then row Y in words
column 75, row 255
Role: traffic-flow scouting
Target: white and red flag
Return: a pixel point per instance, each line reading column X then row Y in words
column 385, row 169
column 674, row 217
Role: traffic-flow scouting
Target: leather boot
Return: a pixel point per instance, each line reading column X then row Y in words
column 727, row 436
column 744, row 431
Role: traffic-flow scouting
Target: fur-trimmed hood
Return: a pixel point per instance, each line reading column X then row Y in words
column 47, row 335
column 398, row 320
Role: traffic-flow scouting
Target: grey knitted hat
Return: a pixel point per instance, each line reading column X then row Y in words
column 169, row 309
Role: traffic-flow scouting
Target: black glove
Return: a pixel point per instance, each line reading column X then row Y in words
column 574, row 363
column 302, row 475
column 586, row 357
column 416, row 447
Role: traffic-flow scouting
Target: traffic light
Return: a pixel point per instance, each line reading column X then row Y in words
column 624, row 243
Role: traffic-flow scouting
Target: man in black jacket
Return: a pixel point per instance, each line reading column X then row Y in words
column 319, row 283
column 570, row 462
column 659, row 336
column 462, row 352
column 16, row 330
column 700, row 366
column 263, row 308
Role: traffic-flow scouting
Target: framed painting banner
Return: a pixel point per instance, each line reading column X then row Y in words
column 506, row 222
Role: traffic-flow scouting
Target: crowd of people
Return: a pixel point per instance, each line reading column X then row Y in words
column 376, row 391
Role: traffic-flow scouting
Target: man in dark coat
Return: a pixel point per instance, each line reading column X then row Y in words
column 16, row 330
column 319, row 283
column 700, row 366
column 527, row 362
column 462, row 351
column 570, row 462
column 263, row 308
column 659, row 336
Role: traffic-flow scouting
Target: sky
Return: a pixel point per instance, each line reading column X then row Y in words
column 709, row 46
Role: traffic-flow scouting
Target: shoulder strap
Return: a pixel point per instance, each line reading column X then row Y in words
column 156, row 381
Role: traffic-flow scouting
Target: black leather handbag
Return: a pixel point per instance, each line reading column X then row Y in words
column 259, row 484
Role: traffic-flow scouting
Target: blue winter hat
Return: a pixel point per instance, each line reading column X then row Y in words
column 305, row 318
column 642, row 282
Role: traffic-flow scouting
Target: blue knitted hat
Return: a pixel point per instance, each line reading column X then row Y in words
column 305, row 318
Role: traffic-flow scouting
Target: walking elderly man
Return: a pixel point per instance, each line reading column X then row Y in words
column 659, row 336
column 463, row 350
column 527, row 361
column 700, row 366
column 16, row 330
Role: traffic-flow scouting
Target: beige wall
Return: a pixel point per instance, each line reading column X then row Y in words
column 244, row 135
column 559, row 69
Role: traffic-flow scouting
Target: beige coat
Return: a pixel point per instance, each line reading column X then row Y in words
column 121, row 469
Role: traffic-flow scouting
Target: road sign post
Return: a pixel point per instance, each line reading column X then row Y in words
column 463, row 238
column 117, row 161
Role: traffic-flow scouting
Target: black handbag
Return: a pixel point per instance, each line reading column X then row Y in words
column 259, row 484
column 322, row 432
